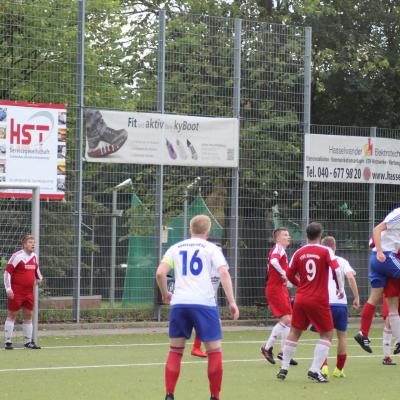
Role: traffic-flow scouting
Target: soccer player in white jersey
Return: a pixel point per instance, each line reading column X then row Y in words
column 384, row 264
column 20, row 276
column 193, row 302
column 339, row 308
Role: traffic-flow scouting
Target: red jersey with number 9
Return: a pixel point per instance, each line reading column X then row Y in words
column 311, row 263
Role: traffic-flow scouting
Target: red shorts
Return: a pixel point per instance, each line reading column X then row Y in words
column 392, row 287
column 319, row 315
column 278, row 301
column 21, row 300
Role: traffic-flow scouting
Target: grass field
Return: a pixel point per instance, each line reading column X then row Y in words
column 132, row 367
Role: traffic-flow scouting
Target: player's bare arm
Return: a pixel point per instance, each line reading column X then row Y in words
column 226, row 282
column 354, row 289
column 161, row 277
column 376, row 235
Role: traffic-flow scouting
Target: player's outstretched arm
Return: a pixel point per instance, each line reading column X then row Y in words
column 226, row 282
column 161, row 277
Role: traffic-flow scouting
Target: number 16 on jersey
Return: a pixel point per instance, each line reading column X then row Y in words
column 195, row 263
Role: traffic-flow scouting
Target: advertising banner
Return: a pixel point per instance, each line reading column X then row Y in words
column 331, row 158
column 161, row 139
column 33, row 147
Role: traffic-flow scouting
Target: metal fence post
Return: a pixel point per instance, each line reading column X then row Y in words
column 307, row 123
column 36, row 234
column 160, row 168
column 235, row 171
column 371, row 196
column 78, row 160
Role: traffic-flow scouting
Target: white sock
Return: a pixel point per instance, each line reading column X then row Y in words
column 394, row 320
column 386, row 342
column 275, row 334
column 288, row 351
column 27, row 329
column 284, row 334
column 8, row 330
column 320, row 353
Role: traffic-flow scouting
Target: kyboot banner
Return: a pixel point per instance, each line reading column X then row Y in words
column 161, row 139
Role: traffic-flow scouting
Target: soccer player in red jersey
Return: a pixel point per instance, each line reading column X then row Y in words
column 20, row 275
column 392, row 289
column 311, row 262
column 277, row 294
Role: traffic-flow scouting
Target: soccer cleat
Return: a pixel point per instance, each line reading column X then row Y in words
column 102, row 140
column 8, row 346
column 292, row 362
column 169, row 396
column 338, row 373
column 32, row 346
column 364, row 342
column 317, row 377
column 268, row 354
column 325, row 371
column 198, row 352
column 282, row 374
column 388, row 361
column 397, row 348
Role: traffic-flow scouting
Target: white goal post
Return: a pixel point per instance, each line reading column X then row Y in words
column 35, row 230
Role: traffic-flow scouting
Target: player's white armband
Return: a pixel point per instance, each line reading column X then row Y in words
column 277, row 266
column 7, row 281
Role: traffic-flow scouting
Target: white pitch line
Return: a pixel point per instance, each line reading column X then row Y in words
column 157, row 364
column 305, row 342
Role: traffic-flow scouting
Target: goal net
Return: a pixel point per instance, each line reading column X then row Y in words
column 19, row 216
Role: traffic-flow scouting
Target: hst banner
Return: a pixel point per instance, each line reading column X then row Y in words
column 33, row 147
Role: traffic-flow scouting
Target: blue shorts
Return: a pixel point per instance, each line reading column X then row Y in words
column 339, row 316
column 380, row 271
column 204, row 319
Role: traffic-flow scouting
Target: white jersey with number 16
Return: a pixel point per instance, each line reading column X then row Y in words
column 194, row 262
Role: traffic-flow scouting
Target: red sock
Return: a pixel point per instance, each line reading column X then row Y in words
column 325, row 362
column 367, row 315
column 197, row 343
column 172, row 368
column 215, row 371
column 340, row 361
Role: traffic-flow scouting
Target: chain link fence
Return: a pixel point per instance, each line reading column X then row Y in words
column 99, row 247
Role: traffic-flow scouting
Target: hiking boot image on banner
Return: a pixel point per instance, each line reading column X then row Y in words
column 171, row 151
column 192, row 149
column 102, row 139
column 181, row 149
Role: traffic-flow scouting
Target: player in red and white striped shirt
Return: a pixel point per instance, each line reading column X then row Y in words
column 277, row 294
column 20, row 276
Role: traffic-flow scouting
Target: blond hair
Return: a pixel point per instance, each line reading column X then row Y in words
column 200, row 224
column 277, row 231
column 27, row 237
column 329, row 241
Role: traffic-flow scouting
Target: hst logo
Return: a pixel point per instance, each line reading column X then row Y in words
column 35, row 131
